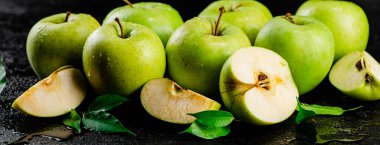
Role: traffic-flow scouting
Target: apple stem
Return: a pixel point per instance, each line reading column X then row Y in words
column 129, row 3
column 288, row 17
column 67, row 16
column 217, row 23
column 121, row 27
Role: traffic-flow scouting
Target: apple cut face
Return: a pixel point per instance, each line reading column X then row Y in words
column 55, row 95
column 357, row 75
column 167, row 101
column 257, row 86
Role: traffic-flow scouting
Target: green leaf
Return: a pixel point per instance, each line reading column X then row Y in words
column 73, row 120
column 320, row 140
column 207, row 132
column 101, row 121
column 214, row 118
column 106, row 102
column 2, row 77
column 306, row 110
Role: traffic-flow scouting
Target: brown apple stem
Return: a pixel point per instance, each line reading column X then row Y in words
column 129, row 3
column 289, row 17
column 121, row 27
column 217, row 23
column 67, row 16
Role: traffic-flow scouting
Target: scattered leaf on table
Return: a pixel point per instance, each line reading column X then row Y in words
column 214, row 118
column 101, row 121
column 207, row 132
column 106, row 102
column 73, row 120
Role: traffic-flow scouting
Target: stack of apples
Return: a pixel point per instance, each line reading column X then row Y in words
column 234, row 51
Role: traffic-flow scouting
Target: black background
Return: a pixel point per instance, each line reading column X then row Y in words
column 18, row 16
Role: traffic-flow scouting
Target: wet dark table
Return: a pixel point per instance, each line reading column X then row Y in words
column 18, row 16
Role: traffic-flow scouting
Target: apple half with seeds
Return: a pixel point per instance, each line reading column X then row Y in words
column 357, row 75
column 257, row 86
column 55, row 95
column 169, row 102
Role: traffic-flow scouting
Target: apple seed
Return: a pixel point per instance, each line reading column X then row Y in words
column 368, row 79
column 261, row 79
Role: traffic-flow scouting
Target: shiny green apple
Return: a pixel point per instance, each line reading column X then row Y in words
column 121, row 58
column 305, row 43
column 161, row 18
column 196, row 55
column 248, row 15
column 58, row 40
column 346, row 20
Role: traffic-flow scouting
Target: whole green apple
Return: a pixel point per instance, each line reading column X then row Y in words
column 248, row 15
column 58, row 40
column 346, row 20
column 305, row 43
column 197, row 51
column 161, row 18
column 257, row 87
column 120, row 57
column 357, row 74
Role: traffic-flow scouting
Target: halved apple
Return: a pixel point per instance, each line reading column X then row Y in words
column 55, row 95
column 256, row 86
column 357, row 75
column 167, row 101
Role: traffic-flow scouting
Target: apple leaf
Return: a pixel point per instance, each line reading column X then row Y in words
column 214, row 118
column 101, row 121
column 106, row 102
column 73, row 120
column 207, row 132
column 306, row 110
column 2, row 77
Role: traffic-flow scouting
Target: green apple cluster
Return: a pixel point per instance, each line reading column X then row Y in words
column 257, row 63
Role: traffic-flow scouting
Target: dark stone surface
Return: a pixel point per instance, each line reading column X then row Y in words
column 18, row 16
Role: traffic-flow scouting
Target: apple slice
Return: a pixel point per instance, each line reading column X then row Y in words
column 167, row 101
column 256, row 86
column 55, row 95
column 357, row 75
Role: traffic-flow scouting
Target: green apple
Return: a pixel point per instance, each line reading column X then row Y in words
column 161, row 18
column 58, row 40
column 248, row 15
column 346, row 20
column 357, row 74
column 167, row 101
column 120, row 57
column 305, row 43
column 55, row 95
column 197, row 51
column 256, row 86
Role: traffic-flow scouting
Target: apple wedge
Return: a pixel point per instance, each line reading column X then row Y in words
column 357, row 75
column 167, row 101
column 55, row 95
column 257, row 87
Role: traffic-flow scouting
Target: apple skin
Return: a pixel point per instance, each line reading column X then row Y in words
column 122, row 65
column 307, row 45
column 53, row 43
column 161, row 18
column 345, row 76
column 346, row 20
column 248, row 15
column 195, row 56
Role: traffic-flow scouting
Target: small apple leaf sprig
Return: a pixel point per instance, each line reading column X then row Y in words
column 210, row 124
column 306, row 110
column 2, row 77
column 96, row 118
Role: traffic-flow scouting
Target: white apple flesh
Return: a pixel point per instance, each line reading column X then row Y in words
column 55, row 95
column 167, row 101
column 256, row 86
column 357, row 75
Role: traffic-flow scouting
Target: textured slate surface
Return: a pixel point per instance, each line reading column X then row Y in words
column 18, row 16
